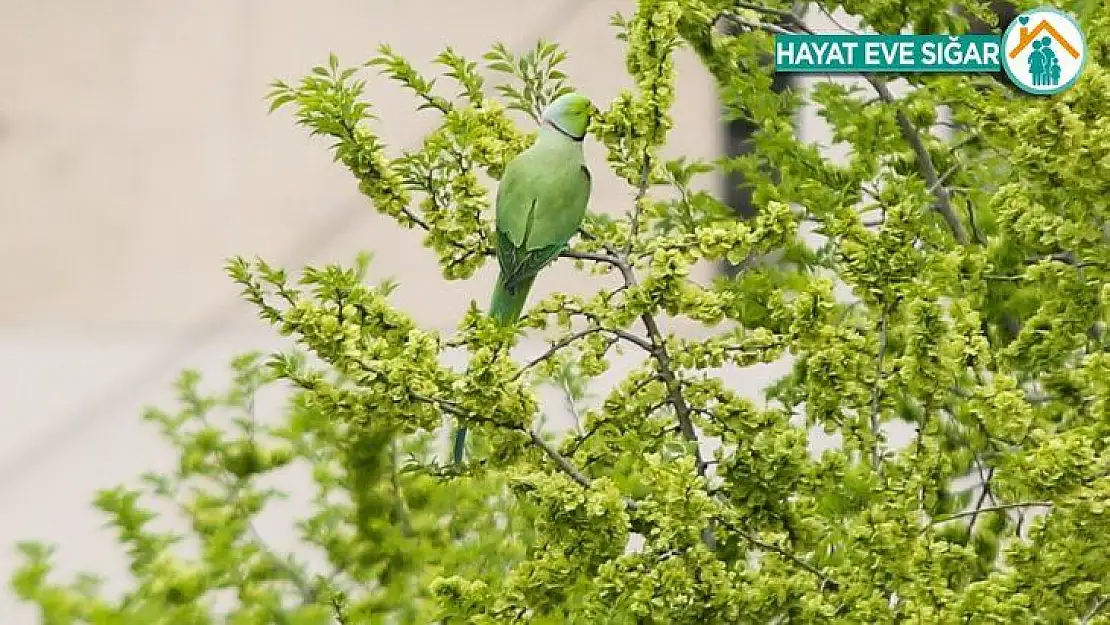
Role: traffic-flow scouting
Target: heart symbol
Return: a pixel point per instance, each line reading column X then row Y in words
column 1024, row 19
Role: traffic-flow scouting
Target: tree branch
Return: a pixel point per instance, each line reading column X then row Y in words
column 658, row 350
column 924, row 163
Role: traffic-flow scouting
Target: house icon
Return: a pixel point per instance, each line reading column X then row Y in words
column 1026, row 37
column 1033, row 62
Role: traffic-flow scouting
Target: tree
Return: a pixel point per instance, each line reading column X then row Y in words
column 977, row 268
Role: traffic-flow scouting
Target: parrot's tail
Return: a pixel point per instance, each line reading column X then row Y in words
column 505, row 307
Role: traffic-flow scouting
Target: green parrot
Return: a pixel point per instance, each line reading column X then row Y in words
column 540, row 205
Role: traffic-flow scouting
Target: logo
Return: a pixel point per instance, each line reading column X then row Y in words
column 1043, row 51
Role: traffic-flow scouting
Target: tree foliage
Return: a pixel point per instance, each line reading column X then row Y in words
column 977, row 266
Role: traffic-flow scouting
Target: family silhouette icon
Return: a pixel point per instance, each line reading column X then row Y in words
column 1044, row 67
column 1044, row 64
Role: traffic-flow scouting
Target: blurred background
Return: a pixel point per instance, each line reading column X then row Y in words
column 136, row 155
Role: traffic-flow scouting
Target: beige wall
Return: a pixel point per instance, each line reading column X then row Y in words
column 136, row 155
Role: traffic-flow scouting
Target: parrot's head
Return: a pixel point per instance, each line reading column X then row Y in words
column 570, row 113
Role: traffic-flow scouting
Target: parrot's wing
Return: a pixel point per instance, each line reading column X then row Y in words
column 527, row 240
column 517, row 267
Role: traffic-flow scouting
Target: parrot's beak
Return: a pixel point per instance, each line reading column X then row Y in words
column 593, row 112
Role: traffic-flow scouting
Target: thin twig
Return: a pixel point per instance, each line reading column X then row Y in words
column 572, row 405
column 948, row 172
column 338, row 611
column 555, row 347
column 986, row 482
column 632, row 338
column 571, row 338
column 564, row 464
column 415, row 219
column 778, row 30
column 399, row 495
column 999, row 508
column 235, row 488
column 641, row 191
column 829, row 15
column 1030, row 397
column 597, row 258
column 1095, row 609
column 1067, row 258
column 876, row 393
column 1003, row 278
column 826, row 581
column 582, row 438
column 782, row 13
column 976, row 231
